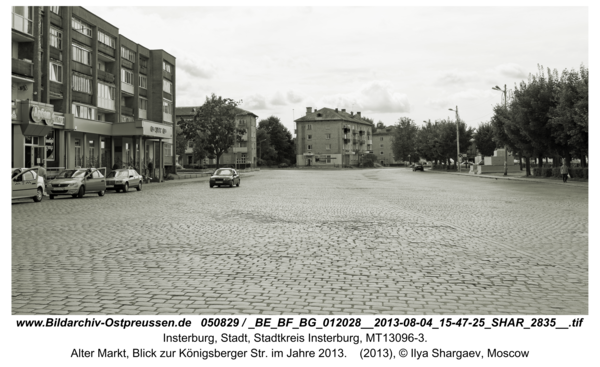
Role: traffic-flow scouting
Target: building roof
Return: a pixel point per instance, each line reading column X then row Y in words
column 187, row 111
column 328, row 114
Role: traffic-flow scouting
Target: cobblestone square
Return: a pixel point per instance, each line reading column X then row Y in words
column 380, row 241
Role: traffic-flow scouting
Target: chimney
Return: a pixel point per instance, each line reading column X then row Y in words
column 308, row 110
column 351, row 113
column 336, row 110
column 343, row 110
column 358, row 114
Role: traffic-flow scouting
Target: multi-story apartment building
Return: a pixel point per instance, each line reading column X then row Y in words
column 241, row 155
column 85, row 95
column 382, row 144
column 329, row 137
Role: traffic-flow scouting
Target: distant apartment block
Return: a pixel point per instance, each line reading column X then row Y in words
column 329, row 137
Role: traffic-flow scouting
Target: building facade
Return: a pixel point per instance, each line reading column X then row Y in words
column 85, row 95
column 241, row 155
column 332, row 137
column 382, row 144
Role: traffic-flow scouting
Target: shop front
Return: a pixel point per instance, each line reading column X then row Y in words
column 145, row 145
column 37, row 135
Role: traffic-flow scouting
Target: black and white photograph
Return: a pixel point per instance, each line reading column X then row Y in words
column 344, row 162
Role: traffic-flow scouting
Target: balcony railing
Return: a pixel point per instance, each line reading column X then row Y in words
column 106, row 76
column 22, row 67
column 346, row 141
column 143, row 70
column 361, row 141
column 106, row 49
column 21, row 24
column 126, row 110
column 354, row 132
column 361, row 132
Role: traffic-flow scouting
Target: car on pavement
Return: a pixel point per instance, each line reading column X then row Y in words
column 27, row 184
column 78, row 182
column 225, row 176
column 123, row 179
column 417, row 167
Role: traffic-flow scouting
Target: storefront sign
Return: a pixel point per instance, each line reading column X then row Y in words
column 155, row 130
column 39, row 113
column 158, row 130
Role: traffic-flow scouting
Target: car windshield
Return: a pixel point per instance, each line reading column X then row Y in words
column 72, row 173
column 224, row 172
column 117, row 174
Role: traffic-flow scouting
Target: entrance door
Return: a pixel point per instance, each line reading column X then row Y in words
column 33, row 155
column 308, row 161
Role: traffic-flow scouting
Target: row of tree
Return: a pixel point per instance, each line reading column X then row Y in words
column 433, row 141
column 213, row 132
column 545, row 116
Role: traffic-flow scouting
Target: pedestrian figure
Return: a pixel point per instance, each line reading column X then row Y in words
column 41, row 171
column 564, row 171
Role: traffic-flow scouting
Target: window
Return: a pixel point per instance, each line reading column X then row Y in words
column 143, row 82
column 56, row 72
column 328, row 158
column 327, row 136
column 309, row 137
column 106, row 39
column 55, row 9
column 381, row 145
column 143, row 62
column 309, row 147
column 55, row 38
column 381, row 138
column 167, row 86
column 381, row 153
column 328, row 147
column 82, row 83
column 127, row 54
column 166, row 66
column 83, row 111
column 126, row 118
column 81, row 27
column 167, row 106
column 143, row 104
column 126, row 76
column 106, row 96
column 82, row 54
column 309, row 127
column 22, row 19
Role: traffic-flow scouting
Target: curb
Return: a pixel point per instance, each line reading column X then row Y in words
column 534, row 180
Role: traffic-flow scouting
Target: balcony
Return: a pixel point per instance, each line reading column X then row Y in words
column 126, row 110
column 143, row 114
column 126, row 64
column 106, row 49
column 361, row 141
column 361, row 132
column 22, row 67
column 127, row 88
column 369, row 141
column 354, row 132
column 22, row 24
column 354, row 141
column 346, row 128
column 143, row 70
column 167, row 75
column 106, row 76
column 346, row 141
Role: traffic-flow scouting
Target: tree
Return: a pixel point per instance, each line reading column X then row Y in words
column 369, row 159
column 266, row 152
column 181, row 143
column 404, row 136
column 569, row 119
column 280, row 139
column 215, row 121
column 484, row 139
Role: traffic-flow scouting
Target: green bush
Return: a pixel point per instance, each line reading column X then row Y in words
column 585, row 173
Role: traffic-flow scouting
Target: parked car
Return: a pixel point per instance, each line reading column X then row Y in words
column 417, row 167
column 78, row 182
column 26, row 183
column 225, row 176
column 123, row 179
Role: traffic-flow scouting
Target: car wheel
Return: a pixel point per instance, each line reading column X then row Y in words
column 51, row 197
column 238, row 184
column 74, row 195
column 39, row 195
column 126, row 187
column 139, row 186
column 101, row 193
column 117, row 190
column 81, row 192
column 211, row 186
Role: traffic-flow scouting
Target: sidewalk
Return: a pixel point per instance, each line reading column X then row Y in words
column 520, row 176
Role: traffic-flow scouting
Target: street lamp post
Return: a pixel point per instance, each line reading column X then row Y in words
column 505, row 150
column 457, row 142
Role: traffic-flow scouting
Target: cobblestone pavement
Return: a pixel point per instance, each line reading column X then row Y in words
column 382, row 241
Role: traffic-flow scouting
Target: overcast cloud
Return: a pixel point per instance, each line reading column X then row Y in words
column 386, row 62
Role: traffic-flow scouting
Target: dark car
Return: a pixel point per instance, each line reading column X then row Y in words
column 77, row 182
column 225, row 176
column 417, row 167
column 123, row 179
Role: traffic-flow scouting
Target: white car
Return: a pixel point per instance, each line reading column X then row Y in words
column 26, row 183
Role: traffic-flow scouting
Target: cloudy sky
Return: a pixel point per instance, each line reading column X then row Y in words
column 386, row 62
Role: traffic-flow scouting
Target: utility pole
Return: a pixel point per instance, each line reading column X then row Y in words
column 505, row 147
column 457, row 141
